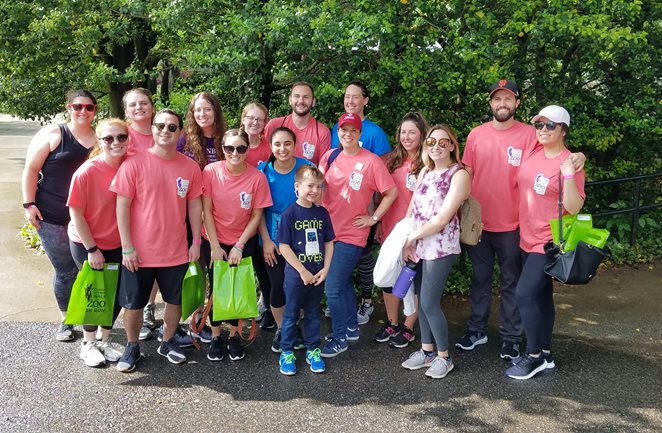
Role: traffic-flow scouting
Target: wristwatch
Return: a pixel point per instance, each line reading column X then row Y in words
column 92, row 249
column 375, row 219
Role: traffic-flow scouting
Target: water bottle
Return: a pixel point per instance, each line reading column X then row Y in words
column 406, row 277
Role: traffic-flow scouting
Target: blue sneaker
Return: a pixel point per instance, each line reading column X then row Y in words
column 287, row 363
column 181, row 338
column 527, row 367
column 334, row 347
column 314, row 359
column 130, row 358
column 352, row 334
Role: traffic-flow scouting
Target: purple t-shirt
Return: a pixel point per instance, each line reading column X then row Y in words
column 306, row 230
column 209, row 145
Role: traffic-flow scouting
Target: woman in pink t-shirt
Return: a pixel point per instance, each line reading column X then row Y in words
column 139, row 110
column 538, row 184
column 234, row 197
column 404, row 164
column 434, row 243
column 93, row 233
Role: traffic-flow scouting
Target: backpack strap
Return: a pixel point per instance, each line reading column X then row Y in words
column 333, row 157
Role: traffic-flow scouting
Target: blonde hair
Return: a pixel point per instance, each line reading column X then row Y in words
column 248, row 107
column 455, row 153
column 102, row 126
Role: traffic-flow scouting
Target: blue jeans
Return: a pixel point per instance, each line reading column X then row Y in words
column 298, row 296
column 55, row 241
column 340, row 288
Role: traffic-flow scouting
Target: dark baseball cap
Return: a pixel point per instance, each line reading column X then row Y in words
column 508, row 85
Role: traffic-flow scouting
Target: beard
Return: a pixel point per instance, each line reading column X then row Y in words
column 503, row 117
column 301, row 111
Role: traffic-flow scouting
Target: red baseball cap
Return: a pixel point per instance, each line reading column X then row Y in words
column 352, row 119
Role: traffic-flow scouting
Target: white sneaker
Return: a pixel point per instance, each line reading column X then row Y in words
column 261, row 309
column 364, row 312
column 90, row 354
column 112, row 352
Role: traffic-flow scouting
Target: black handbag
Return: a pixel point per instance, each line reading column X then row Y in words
column 572, row 267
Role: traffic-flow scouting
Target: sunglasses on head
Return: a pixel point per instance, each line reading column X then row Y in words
column 109, row 139
column 87, row 107
column 240, row 149
column 171, row 126
column 443, row 142
column 550, row 125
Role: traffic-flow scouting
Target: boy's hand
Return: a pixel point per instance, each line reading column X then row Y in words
column 321, row 276
column 307, row 277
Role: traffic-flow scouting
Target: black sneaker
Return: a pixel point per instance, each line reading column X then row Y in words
column 216, row 350
column 268, row 321
column 509, row 350
column 549, row 360
column 204, row 335
column 404, row 337
column 181, row 338
column 298, row 341
column 171, row 351
column 130, row 358
column 470, row 340
column 275, row 343
column 235, row 349
column 527, row 367
column 386, row 332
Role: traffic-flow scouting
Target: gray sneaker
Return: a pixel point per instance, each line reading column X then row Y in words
column 64, row 332
column 440, row 367
column 418, row 360
column 364, row 312
column 112, row 352
column 148, row 316
column 145, row 333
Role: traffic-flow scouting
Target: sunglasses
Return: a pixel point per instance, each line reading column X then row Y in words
column 87, row 107
column 171, row 127
column 442, row 142
column 109, row 139
column 240, row 149
column 550, row 125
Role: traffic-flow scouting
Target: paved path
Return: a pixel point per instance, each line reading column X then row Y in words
column 608, row 350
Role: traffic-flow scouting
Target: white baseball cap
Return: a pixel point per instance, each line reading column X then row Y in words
column 555, row 113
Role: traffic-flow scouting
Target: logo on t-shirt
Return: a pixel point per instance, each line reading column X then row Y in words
column 411, row 181
column 540, row 184
column 308, row 150
column 246, row 200
column 514, row 156
column 355, row 180
column 182, row 187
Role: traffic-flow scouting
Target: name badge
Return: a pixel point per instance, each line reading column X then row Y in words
column 359, row 166
column 540, row 184
column 411, row 181
column 246, row 199
column 182, row 187
column 514, row 156
column 355, row 180
column 308, row 150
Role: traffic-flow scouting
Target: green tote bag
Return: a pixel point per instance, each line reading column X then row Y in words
column 93, row 296
column 193, row 290
column 235, row 296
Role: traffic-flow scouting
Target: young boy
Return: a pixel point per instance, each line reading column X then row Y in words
column 306, row 242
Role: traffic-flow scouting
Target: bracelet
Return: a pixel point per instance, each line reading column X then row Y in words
column 241, row 250
column 129, row 251
column 240, row 245
column 197, row 241
column 569, row 176
column 93, row 249
column 29, row 204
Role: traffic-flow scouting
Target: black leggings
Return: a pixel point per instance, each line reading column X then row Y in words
column 249, row 251
column 277, row 279
column 262, row 274
column 79, row 253
column 366, row 266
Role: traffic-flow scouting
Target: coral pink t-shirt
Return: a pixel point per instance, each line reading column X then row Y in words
column 495, row 157
column 259, row 154
column 538, row 183
column 89, row 192
column 313, row 141
column 350, row 183
column 234, row 198
column 405, row 181
column 159, row 189
column 139, row 142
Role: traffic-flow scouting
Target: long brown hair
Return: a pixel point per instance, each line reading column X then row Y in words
column 194, row 134
column 399, row 155
column 455, row 154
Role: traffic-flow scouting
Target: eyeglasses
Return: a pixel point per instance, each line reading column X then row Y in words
column 240, row 149
column 79, row 107
column 109, row 139
column 442, row 142
column 252, row 119
column 550, row 125
column 171, row 126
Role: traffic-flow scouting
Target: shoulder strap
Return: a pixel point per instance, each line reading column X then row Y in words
column 333, row 156
column 560, row 208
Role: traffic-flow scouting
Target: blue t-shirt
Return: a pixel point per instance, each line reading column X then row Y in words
column 304, row 228
column 282, row 193
column 373, row 138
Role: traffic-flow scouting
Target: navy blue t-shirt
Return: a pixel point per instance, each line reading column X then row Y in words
column 306, row 228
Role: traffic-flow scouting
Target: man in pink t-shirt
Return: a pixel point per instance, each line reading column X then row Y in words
column 155, row 190
column 313, row 137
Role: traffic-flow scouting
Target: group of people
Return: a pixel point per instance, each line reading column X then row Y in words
column 305, row 203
